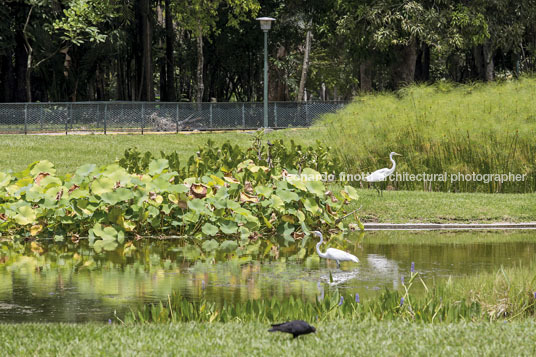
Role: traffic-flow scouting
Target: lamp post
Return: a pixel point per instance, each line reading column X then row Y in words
column 266, row 24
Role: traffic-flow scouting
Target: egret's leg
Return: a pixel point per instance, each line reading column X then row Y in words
column 377, row 190
column 338, row 264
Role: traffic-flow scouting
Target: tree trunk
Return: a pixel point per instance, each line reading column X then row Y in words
column 29, row 52
column 99, row 84
column 7, row 79
column 200, row 85
column 170, row 70
column 278, row 83
column 305, row 67
column 122, row 83
column 483, row 57
column 422, row 67
column 365, row 75
column 403, row 67
column 144, row 66
column 162, row 57
column 21, row 64
column 488, row 62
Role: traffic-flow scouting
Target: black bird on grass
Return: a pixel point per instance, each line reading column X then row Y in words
column 296, row 328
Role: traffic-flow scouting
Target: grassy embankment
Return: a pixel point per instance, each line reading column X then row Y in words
column 343, row 338
column 481, row 128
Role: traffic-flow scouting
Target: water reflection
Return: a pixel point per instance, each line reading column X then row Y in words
column 75, row 284
column 339, row 277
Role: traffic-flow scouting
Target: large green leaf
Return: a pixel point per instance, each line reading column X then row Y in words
column 107, row 245
column 43, row 166
column 119, row 195
column 296, row 181
column 312, row 206
column 5, row 179
column 177, row 188
column 316, row 187
column 85, row 170
column 228, row 246
column 197, row 205
column 106, row 233
column 25, row 216
column 209, row 229
column 102, row 185
column 210, row 245
column 228, row 227
column 263, row 191
column 158, row 166
column 285, row 231
column 352, row 193
column 287, row 196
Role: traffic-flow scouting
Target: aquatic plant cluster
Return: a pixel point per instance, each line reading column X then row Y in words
column 274, row 155
column 433, row 305
column 227, row 205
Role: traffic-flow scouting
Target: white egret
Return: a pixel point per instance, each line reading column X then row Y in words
column 382, row 174
column 332, row 253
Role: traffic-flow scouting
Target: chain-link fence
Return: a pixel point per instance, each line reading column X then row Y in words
column 146, row 117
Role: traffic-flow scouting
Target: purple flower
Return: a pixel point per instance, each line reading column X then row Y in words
column 357, row 297
column 202, row 285
column 401, row 301
column 412, row 267
column 340, row 301
column 535, row 294
column 402, row 279
column 109, row 321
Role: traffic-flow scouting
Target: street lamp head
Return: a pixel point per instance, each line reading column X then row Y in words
column 266, row 23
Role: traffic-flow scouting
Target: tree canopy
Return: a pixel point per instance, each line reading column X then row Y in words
column 201, row 50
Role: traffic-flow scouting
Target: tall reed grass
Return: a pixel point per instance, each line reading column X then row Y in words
column 480, row 128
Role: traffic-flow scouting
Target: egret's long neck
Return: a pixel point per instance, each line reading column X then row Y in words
column 392, row 169
column 322, row 255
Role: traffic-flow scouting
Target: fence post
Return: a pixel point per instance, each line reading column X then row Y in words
column 105, row 116
column 210, row 118
column 142, row 116
column 275, row 114
column 243, row 116
column 177, row 114
column 26, row 119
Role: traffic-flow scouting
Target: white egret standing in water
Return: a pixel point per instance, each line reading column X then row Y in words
column 332, row 253
column 382, row 174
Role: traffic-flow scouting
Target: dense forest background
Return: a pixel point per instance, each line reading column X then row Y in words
column 203, row 50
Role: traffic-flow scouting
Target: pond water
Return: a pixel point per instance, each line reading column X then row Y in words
column 73, row 284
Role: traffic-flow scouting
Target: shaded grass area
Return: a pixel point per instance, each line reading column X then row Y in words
column 440, row 207
column 481, row 128
column 342, row 338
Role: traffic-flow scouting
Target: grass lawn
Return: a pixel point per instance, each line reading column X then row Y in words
column 67, row 152
column 343, row 338
column 440, row 207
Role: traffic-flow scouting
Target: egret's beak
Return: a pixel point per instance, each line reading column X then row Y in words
column 397, row 154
